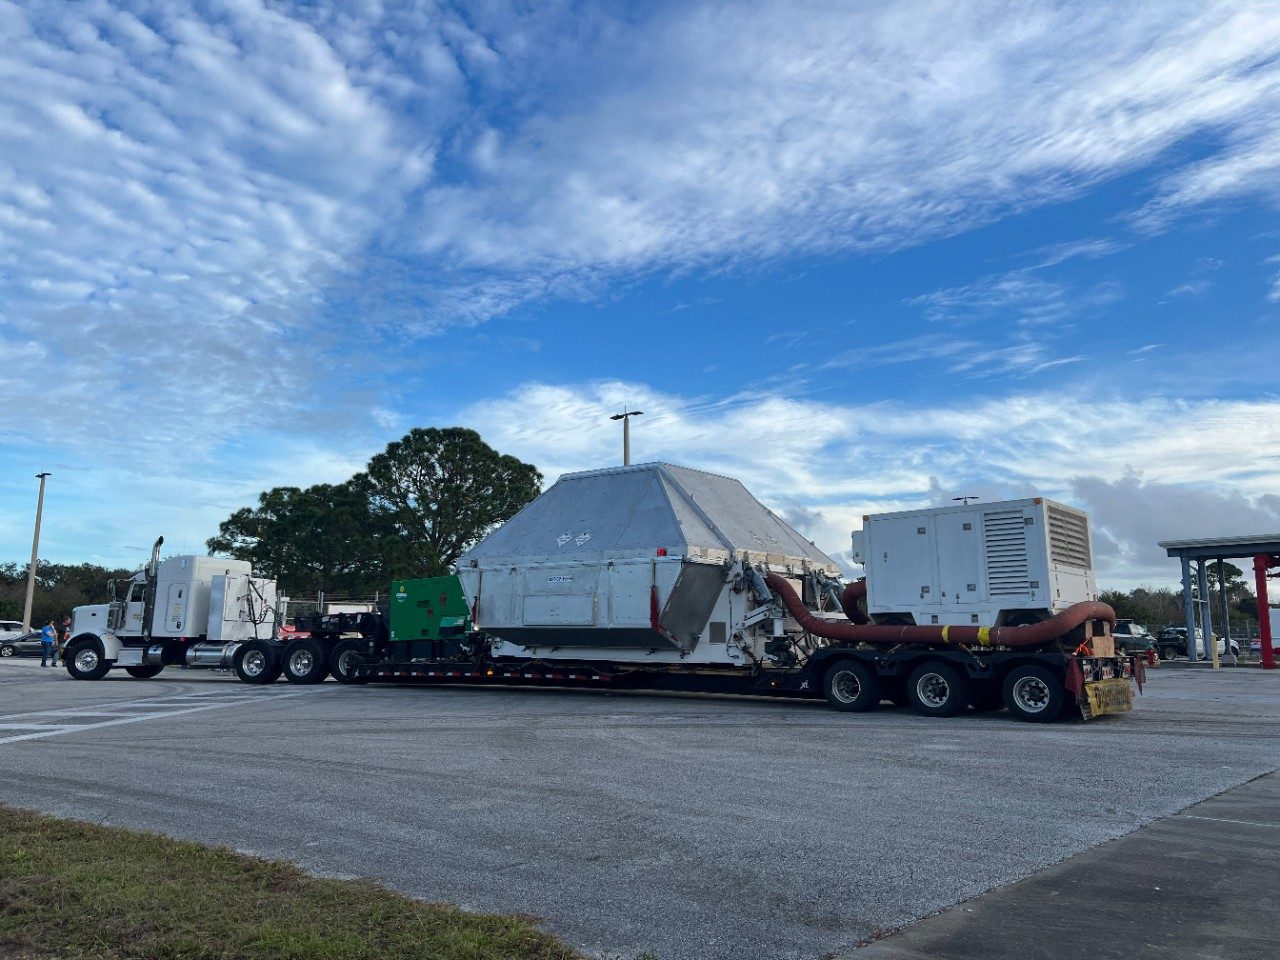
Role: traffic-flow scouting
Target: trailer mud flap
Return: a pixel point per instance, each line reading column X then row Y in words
column 1102, row 697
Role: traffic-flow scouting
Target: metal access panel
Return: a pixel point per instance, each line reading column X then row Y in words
column 241, row 608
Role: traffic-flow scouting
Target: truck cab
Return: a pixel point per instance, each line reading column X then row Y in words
column 186, row 610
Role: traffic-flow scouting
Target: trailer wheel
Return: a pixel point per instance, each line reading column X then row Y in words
column 851, row 685
column 305, row 662
column 344, row 659
column 145, row 672
column 86, row 659
column 256, row 661
column 1034, row 693
column 938, row 689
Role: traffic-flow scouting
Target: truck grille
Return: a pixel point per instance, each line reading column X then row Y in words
column 1069, row 538
column 1005, row 535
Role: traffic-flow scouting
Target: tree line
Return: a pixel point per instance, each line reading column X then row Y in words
column 413, row 510
column 1158, row 607
column 59, row 588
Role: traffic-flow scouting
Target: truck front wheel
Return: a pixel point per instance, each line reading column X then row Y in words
column 938, row 690
column 305, row 662
column 86, row 660
column 1034, row 693
column 851, row 685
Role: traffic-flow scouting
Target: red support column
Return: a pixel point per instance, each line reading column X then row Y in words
column 1260, row 564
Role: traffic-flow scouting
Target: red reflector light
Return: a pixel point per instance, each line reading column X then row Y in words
column 662, row 551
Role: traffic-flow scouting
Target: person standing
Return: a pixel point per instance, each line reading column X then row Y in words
column 48, row 636
column 64, row 637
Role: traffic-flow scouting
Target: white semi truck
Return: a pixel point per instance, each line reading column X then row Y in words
column 189, row 610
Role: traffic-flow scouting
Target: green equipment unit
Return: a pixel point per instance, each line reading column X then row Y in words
column 430, row 616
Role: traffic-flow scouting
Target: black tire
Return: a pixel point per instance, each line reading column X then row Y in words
column 986, row 696
column 1036, row 694
column 305, row 662
column 347, row 654
column 257, row 662
column 145, row 672
column 8, row 650
column 937, row 689
column 1168, row 653
column 851, row 685
column 86, row 659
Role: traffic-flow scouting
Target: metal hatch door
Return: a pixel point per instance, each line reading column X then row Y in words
column 177, row 607
column 960, row 575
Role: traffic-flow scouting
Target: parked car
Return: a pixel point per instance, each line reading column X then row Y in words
column 1172, row 642
column 1132, row 637
column 21, row 644
column 10, row 629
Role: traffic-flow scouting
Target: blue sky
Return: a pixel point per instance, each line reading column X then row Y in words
column 861, row 256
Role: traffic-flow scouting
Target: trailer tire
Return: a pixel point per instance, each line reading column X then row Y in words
column 145, row 672
column 938, row 689
column 851, row 685
column 305, row 662
column 86, row 659
column 344, row 658
column 1034, row 693
column 257, row 662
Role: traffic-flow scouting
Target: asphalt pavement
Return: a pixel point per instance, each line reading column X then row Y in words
column 682, row 826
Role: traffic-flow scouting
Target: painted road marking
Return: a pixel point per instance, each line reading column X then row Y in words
column 149, row 703
column 1243, row 823
column 138, row 718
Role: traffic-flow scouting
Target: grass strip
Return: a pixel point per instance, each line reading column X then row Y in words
column 75, row 890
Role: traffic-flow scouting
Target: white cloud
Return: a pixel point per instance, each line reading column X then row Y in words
column 717, row 132
column 173, row 195
column 827, row 464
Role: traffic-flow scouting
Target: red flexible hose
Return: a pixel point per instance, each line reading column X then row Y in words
column 855, row 591
column 1030, row 635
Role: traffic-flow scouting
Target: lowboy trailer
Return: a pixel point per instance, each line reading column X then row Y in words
column 661, row 577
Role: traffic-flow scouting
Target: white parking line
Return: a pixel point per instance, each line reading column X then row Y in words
column 138, row 718
column 148, row 702
column 1243, row 823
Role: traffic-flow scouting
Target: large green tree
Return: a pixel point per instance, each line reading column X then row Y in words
column 442, row 490
column 322, row 538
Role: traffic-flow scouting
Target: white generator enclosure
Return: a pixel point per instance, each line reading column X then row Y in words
column 989, row 564
column 640, row 563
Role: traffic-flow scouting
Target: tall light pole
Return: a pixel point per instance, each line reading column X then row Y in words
column 625, row 417
column 35, row 550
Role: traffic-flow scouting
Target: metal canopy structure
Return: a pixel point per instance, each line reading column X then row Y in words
column 1265, row 551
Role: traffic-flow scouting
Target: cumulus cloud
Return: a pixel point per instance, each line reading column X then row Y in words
column 1132, row 515
column 825, row 465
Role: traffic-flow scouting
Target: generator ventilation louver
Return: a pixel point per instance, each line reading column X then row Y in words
column 1069, row 538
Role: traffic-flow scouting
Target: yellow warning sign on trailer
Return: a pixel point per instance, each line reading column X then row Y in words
column 1107, row 696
